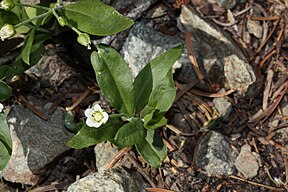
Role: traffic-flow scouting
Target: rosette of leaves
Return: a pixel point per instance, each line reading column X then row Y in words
column 141, row 102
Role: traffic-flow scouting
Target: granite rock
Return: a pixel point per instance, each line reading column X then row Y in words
column 36, row 143
column 222, row 59
column 247, row 162
column 116, row 180
column 215, row 155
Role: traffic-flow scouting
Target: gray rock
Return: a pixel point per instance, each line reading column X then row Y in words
column 247, row 162
column 215, row 155
column 135, row 8
column 223, row 60
column 228, row 4
column 104, row 153
column 36, row 143
column 285, row 110
column 282, row 133
column 144, row 44
column 52, row 70
column 116, row 180
column 254, row 28
column 223, row 106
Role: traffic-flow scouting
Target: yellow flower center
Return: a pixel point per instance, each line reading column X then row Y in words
column 97, row 116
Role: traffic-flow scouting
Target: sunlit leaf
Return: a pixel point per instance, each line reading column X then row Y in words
column 95, row 17
column 114, row 78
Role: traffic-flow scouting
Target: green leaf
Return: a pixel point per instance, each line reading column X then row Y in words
column 26, row 50
column 143, row 84
column 3, row 70
column 70, row 124
column 152, row 149
column 19, row 11
column 88, row 136
column 33, row 12
column 5, row 91
column 7, row 17
column 130, row 133
column 163, row 90
column 5, row 133
column 95, row 17
column 4, row 156
column 154, row 120
column 114, row 78
column 36, row 54
column 5, row 142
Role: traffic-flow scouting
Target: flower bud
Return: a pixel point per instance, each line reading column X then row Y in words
column 61, row 21
column 6, row 31
column 6, row 5
column 84, row 39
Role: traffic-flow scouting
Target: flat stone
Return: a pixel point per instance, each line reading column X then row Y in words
column 228, row 4
column 104, row 153
column 144, row 44
column 221, row 58
column 247, row 162
column 215, row 155
column 51, row 70
column 116, row 180
column 223, row 106
column 36, row 143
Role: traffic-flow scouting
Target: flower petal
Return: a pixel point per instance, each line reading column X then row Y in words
column 1, row 107
column 97, row 107
column 88, row 112
column 105, row 117
column 91, row 123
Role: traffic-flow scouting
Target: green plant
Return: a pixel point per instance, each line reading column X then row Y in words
column 39, row 23
column 141, row 102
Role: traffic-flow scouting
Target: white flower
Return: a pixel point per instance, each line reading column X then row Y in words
column 1, row 107
column 96, row 116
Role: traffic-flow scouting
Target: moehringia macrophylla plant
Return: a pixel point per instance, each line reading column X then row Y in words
column 34, row 24
column 140, row 102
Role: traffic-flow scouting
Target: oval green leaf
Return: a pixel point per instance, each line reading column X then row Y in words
column 130, row 133
column 26, row 50
column 114, row 78
column 5, row 142
column 163, row 91
column 7, row 17
column 4, row 156
column 88, row 136
column 152, row 149
column 95, row 17
column 5, row 91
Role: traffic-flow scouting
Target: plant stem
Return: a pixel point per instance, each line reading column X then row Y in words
column 34, row 6
column 29, row 20
column 59, row 2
